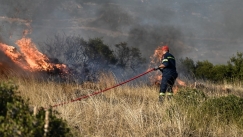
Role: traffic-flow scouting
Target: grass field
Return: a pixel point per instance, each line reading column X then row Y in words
column 134, row 110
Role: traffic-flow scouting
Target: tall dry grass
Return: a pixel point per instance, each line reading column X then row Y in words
column 128, row 110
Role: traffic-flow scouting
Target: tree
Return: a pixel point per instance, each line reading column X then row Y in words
column 97, row 50
column 81, row 56
column 219, row 73
column 236, row 64
column 128, row 57
column 204, row 69
column 187, row 65
column 92, row 56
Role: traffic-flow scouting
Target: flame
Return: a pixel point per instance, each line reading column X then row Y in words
column 14, row 55
column 29, row 58
column 175, row 89
column 157, row 56
column 155, row 61
column 180, row 82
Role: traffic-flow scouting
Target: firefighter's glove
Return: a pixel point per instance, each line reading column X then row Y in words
column 156, row 68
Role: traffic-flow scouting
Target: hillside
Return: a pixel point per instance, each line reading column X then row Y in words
column 198, row 28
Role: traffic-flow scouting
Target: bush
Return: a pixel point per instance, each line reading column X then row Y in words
column 17, row 119
column 224, row 109
column 190, row 97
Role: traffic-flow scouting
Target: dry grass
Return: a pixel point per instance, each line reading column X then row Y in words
column 123, row 111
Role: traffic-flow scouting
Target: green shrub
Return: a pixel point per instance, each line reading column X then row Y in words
column 189, row 97
column 17, row 119
column 224, row 109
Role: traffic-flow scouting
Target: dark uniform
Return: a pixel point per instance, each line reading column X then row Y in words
column 169, row 75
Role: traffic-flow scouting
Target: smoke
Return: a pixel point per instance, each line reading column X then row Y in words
column 201, row 30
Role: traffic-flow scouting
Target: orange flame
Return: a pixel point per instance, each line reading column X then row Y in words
column 14, row 55
column 180, row 82
column 155, row 61
column 29, row 58
column 157, row 56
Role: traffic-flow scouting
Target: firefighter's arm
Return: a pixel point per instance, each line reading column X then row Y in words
column 160, row 67
column 163, row 65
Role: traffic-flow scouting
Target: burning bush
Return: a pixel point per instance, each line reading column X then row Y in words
column 29, row 59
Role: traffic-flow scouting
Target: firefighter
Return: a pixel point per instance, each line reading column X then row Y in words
column 169, row 73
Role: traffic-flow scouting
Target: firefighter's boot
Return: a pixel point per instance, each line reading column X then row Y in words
column 161, row 97
column 169, row 96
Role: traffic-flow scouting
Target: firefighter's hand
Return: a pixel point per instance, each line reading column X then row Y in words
column 156, row 68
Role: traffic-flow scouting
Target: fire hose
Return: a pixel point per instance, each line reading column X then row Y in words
column 98, row 92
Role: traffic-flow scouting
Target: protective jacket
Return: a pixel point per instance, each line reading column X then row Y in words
column 170, row 64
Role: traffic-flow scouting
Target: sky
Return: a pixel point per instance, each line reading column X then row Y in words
column 199, row 29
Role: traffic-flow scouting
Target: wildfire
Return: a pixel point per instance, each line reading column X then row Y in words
column 29, row 58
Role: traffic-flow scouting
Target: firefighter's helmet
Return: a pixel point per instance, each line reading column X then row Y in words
column 165, row 48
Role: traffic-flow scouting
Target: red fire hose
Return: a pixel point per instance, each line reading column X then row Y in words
column 95, row 93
